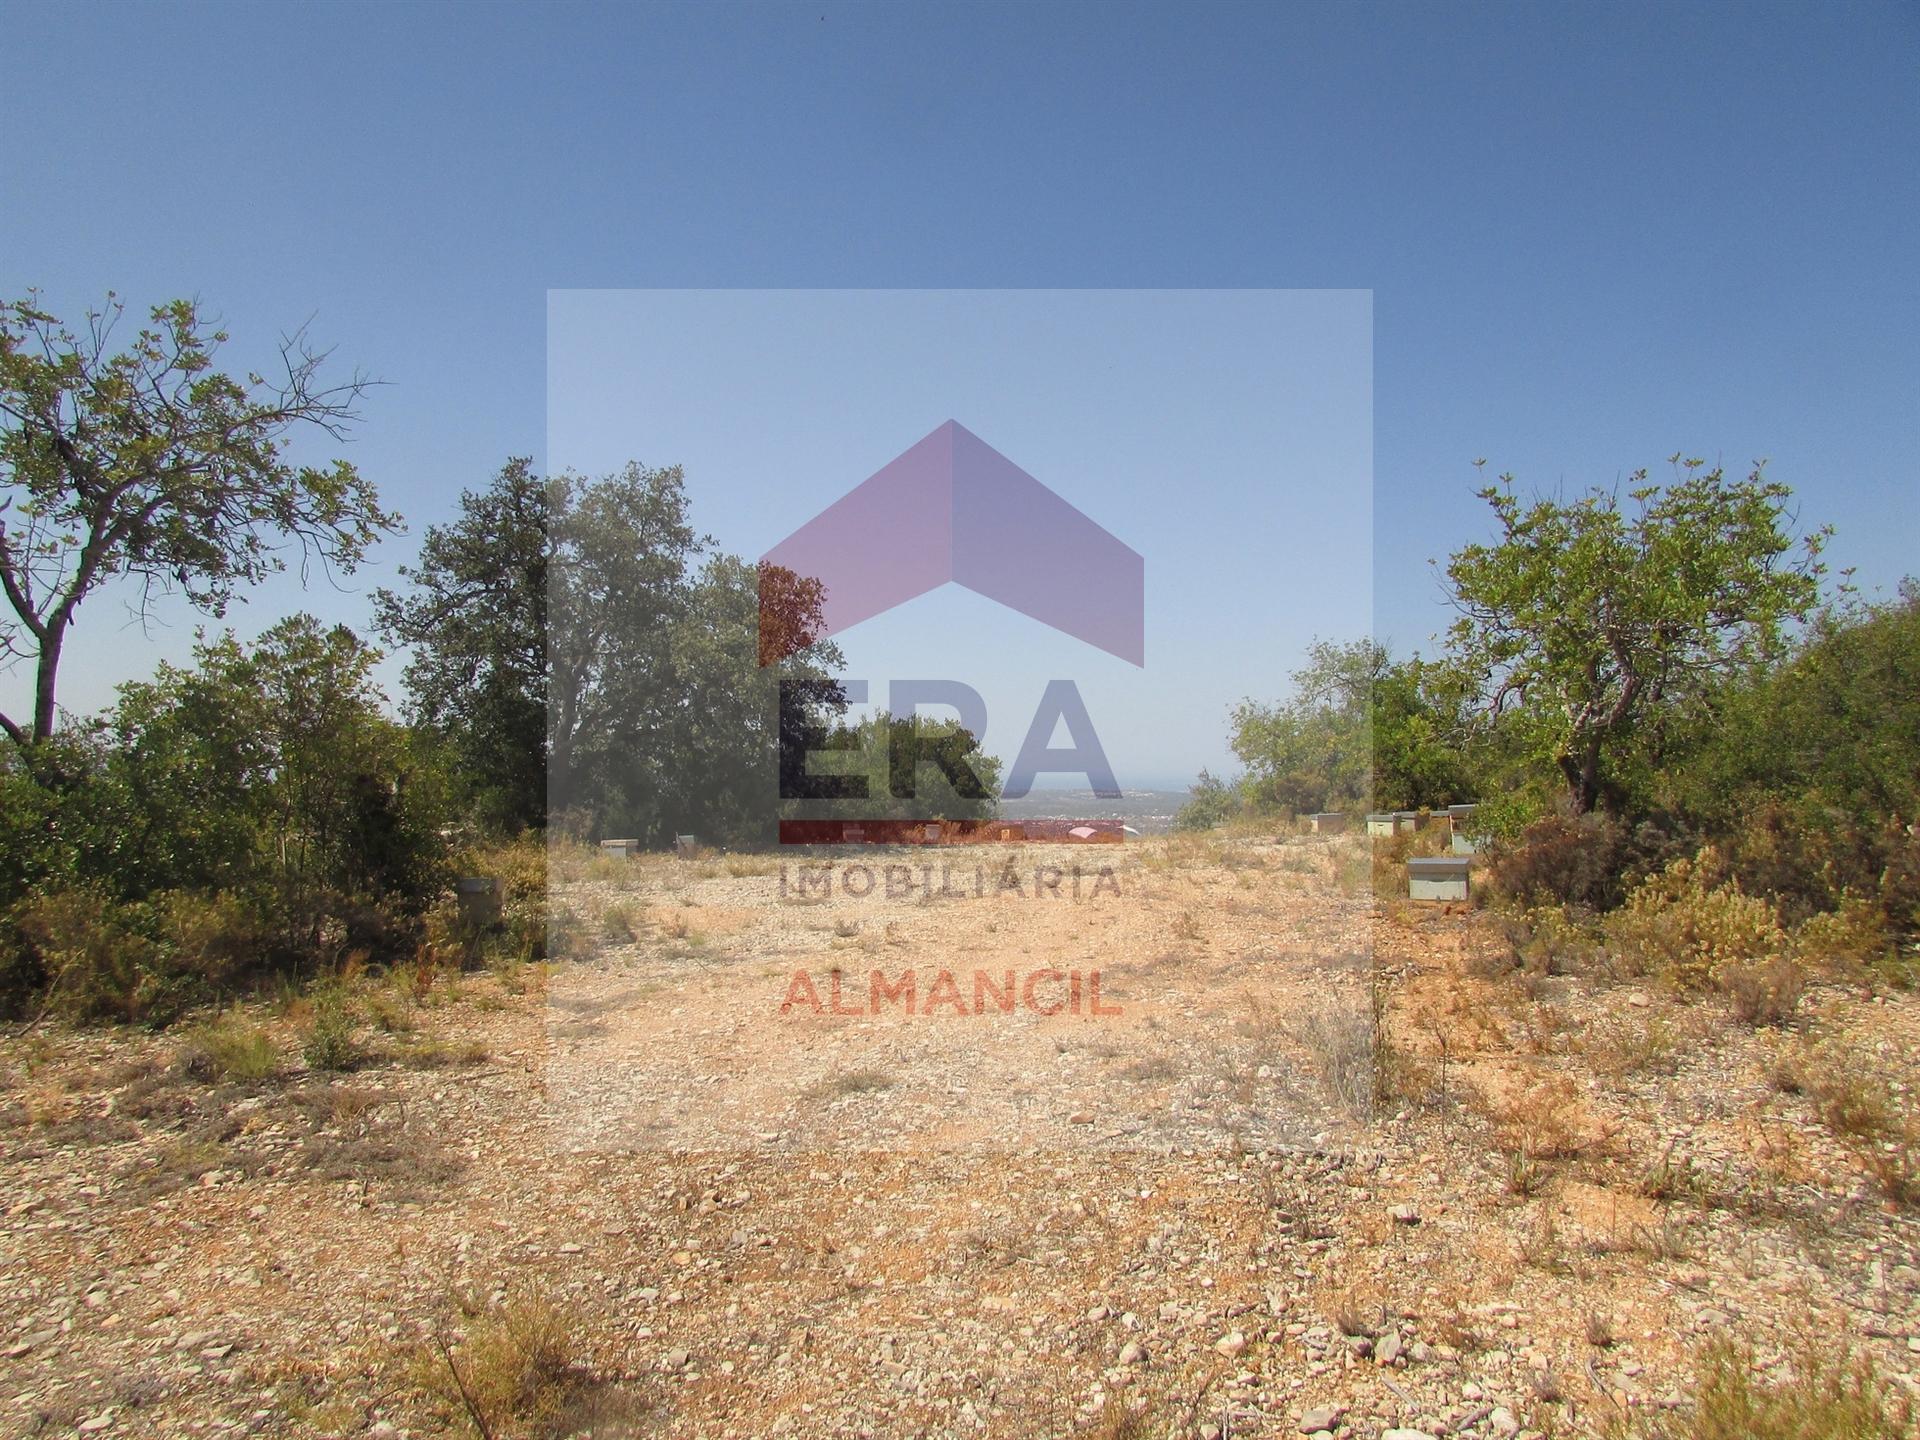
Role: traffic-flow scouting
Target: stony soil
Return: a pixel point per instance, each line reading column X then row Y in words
column 1189, row 1218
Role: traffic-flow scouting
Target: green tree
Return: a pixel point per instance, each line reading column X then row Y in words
column 1584, row 616
column 617, row 591
column 717, row 772
column 882, row 749
column 149, row 464
column 475, row 626
column 1314, row 751
column 1210, row 803
column 1417, row 731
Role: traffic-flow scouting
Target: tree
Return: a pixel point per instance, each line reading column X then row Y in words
column 1315, row 750
column 719, row 762
column 1583, row 616
column 1417, row 734
column 1211, row 803
column 151, row 465
column 617, row 587
column 475, row 624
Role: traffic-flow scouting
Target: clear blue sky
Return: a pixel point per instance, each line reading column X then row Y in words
column 1594, row 236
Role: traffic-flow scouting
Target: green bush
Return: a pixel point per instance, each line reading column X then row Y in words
column 329, row 1043
column 1210, row 804
column 256, row 813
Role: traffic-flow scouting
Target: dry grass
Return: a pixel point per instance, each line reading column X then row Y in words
column 851, row 1082
column 1831, row 1394
column 1850, row 1095
column 231, row 1048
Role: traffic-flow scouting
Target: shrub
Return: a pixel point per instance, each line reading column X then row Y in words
column 1766, row 993
column 1211, row 803
column 513, row 1374
column 90, row 959
column 213, row 938
column 1684, row 927
column 1550, row 940
column 329, row 1043
column 1562, row 860
column 1852, row 937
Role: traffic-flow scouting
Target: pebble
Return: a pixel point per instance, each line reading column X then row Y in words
column 1388, row 1349
column 1133, row 1353
column 676, row 1359
column 1321, row 1417
column 1232, row 1345
column 1405, row 1435
column 1408, row 1214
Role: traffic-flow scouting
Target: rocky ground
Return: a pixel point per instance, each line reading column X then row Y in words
column 1310, row 1165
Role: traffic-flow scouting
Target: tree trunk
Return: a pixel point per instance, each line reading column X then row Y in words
column 1582, row 774
column 45, row 674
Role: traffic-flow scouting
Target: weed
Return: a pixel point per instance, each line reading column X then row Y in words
column 1526, row 1175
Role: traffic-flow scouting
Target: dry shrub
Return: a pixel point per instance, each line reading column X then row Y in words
column 92, row 963
column 1686, row 925
column 1553, row 940
column 513, row 1374
column 1850, row 939
column 1563, row 860
column 621, row 923
column 1849, row 1091
column 1766, row 993
column 1361, row 1066
column 1537, row 1120
column 1626, row 1046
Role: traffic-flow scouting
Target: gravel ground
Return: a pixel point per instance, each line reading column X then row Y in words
column 825, row 1220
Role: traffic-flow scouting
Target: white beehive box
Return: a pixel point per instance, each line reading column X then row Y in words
column 1437, row 877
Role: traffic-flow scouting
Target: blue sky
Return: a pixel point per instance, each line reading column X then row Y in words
column 1594, row 236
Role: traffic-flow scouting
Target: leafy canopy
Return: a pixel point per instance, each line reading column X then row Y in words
column 151, row 464
column 1584, row 614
